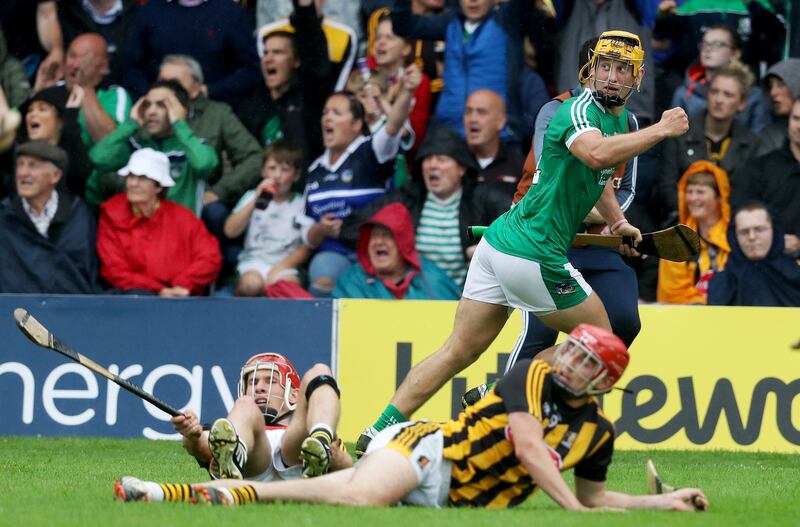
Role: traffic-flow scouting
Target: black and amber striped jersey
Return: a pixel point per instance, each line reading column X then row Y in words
column 485, row 471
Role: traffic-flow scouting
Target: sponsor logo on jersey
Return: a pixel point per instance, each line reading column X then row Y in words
column 569, row 440
column 605, row 174
column 565, row 288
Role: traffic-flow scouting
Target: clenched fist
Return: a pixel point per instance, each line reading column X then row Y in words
column 674, row 122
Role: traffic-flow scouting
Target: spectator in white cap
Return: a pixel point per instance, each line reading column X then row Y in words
column 148, row 244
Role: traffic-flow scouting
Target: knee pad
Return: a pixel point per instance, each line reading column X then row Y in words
column 318, row 381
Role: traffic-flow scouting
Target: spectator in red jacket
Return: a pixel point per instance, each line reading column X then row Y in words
column 149, row 245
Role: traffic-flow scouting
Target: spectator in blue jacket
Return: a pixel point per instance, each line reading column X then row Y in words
column 389, row 265
column 483, row 50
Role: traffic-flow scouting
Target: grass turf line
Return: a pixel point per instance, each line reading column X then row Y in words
column 69, row 481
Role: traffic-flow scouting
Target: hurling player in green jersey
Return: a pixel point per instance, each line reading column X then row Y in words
column 521, row 261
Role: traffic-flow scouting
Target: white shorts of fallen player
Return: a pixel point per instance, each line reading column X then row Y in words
column 277, row 470
column 433, row 471
column 502, row 279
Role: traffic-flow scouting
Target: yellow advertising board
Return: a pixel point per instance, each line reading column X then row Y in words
column 702, row 377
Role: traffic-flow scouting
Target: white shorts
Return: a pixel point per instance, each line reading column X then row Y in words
column 277, row 469
column 262, row 268
column 433, row 471
column 499, row 278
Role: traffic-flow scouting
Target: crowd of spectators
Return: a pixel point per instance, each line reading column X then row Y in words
column 318, row 148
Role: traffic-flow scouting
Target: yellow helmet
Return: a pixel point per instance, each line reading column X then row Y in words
column 616, row 45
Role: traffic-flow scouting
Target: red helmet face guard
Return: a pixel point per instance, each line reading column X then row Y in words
column 590, row 361
column 272, row 402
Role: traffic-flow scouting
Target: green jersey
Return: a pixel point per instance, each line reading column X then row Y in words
column 116, row 102
column 542, row 225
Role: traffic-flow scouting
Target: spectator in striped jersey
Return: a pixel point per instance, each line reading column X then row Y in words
column 442, row 205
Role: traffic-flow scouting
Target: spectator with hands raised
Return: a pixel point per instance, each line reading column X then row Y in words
column 351, row 172
column 158, row 121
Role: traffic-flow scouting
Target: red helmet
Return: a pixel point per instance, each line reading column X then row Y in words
column 590, row 361
column 288, row 378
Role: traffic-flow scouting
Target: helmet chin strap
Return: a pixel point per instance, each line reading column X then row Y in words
column 272, row 418
column 270, row 415
column 609, row 101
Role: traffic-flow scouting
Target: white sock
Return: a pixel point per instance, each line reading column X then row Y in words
column 228, row 495
column 154, row 491
column 323, row 426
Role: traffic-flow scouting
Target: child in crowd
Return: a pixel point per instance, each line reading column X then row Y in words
column 377, row 89
column 268, row 213
column 392, row 54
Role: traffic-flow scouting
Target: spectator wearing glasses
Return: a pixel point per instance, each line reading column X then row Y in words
column 719, row 46
column 758, row 272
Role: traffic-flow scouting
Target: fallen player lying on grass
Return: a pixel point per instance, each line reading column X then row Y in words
column 535, row 422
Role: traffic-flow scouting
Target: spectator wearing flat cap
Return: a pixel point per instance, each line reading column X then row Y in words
column 47, row 236
column 150, row 245
column 442, row 204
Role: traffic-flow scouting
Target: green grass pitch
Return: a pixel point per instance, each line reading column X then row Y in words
column 69, row 481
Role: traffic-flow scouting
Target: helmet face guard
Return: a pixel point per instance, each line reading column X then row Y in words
column 590, row 361
column 281, row 372
column 616, row 46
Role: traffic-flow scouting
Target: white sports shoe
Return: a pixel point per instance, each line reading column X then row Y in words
column 228, row 451
column 129, row 488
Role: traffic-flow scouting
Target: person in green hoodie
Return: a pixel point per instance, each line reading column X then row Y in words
column 158, row 121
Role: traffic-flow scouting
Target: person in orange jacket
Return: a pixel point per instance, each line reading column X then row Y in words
column 703, row 193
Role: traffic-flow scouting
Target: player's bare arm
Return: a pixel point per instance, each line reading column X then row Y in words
column 531, row 450
column 195, row 440
column 608, row 207
column 594, row 494
column 598, row 152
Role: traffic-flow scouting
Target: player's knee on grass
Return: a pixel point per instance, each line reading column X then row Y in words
column 250, row 284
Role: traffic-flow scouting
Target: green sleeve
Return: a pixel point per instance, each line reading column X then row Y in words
column 202, row 158
column 114, row 150
column 245, row 154
column 15, row 82
column 575, row 117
